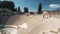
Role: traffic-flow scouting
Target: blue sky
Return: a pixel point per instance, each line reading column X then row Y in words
column 33, row 4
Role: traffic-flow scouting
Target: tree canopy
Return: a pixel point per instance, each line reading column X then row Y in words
column 40, row 8
column 25, row 10
column 7, row 4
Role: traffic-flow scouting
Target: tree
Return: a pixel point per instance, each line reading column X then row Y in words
column 7, row 4
column 15, row 10
column 19, row 10
column 40, row 8
column 25, row 10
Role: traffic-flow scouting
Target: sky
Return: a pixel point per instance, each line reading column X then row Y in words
column 33, row 4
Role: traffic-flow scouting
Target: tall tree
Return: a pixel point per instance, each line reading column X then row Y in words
column 19, row 10
column 25, row 10
column 40, row 8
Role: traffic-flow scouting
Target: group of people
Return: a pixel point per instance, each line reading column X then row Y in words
column 47, row 16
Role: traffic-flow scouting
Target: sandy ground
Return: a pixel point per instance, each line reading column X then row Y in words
column 33, row 24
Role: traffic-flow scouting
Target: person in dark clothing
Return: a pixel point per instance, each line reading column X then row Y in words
column 50, row 15
column 43, row 16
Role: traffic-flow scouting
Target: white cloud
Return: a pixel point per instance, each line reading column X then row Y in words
column 54, row 6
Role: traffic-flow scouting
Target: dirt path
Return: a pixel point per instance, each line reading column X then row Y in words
column 35, row 24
